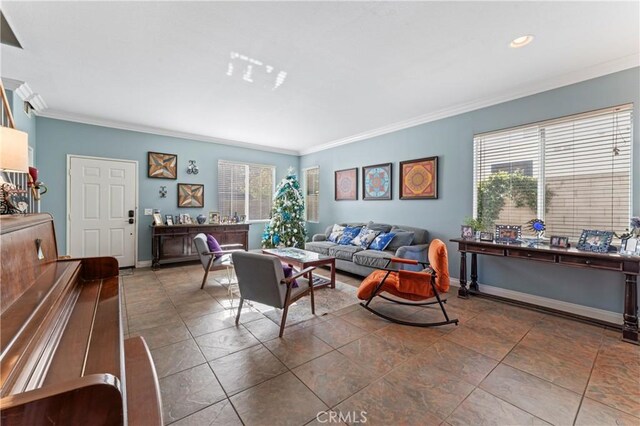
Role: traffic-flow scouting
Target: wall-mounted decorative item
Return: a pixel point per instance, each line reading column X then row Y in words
column 376, row 182
column 559, row 242
column 419, row 179
column 507, row 234
column 192, row 169
column 162, row 166
column 190, row 195
column 214, row 217
column 466, row 232
column 486, row 236
column 596, row 241
column 163, row 192
column 346, row 184
column 630, row 246
column 169, row 219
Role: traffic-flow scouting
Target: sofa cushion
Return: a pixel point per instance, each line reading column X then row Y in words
column 349, row 234
column 420, row 236
column 402, row 238
column 344, row 252
column 336, row 233
column 382, row 227
column 365, row 237
column 382, row 241
column 372, row 258
column 321, row 247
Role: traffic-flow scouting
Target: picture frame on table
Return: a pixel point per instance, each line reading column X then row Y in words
column 225, row 219
column 630, row 246
column 419, row 179
column 185, row 219
column 595, row 241
column 214, row 217
column 168, row 219
column 508, row 234
column 157, row 219
column 559, row 241
column 243, row 218
column 466, row 232
column 486, row 236
column 377, row 182
column 346, row 184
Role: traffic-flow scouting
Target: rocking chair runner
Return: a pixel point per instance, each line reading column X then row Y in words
column 412, row 286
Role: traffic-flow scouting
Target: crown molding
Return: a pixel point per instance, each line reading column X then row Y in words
column 11, row 84
column 121, row 125
column 595, row 71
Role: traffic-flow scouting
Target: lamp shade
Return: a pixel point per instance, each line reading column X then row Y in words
column 14, row 150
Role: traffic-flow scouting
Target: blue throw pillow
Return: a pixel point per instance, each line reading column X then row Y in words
column 348, row 234
column 382, row 241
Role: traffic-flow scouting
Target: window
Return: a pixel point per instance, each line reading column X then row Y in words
column 312, row 192
column 573, row 172
column 245, row 189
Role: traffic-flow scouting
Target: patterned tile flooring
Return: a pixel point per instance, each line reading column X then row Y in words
column 502, row 365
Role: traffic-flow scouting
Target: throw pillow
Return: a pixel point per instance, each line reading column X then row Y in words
column 214, row 246
column 402, row 238
column 336, row 233
column 382, row 227
column 382, row 241
column 365, row 237
column 288, row 271
column 349, row 234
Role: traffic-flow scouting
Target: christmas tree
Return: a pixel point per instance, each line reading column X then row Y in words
column 286, row 227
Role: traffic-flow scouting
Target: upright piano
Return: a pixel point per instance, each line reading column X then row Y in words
column 63, row 357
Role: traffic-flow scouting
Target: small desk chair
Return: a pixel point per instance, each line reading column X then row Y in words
column 212, row 263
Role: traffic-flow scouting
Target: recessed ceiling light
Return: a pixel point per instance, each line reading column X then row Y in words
column 521, row 41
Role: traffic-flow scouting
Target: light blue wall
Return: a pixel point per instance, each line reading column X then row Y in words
column 452, row 140
column 22, row 120
column 57, row 138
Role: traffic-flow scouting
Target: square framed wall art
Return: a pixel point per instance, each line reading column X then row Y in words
column 190, row 195
column 162, row 166
column 346, row 184
column 376, row 182
column 419, row 179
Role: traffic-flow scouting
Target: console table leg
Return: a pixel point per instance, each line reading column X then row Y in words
column 630, row 327
column 462, row 291
column 474, row 272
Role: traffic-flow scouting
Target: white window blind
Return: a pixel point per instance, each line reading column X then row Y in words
column 573, row 172
column 245, row 189
column 312, row 193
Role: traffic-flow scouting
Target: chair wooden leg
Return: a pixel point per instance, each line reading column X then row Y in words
column 239, row 310
column 204, row 280
column 284, row 319
column 313, row 302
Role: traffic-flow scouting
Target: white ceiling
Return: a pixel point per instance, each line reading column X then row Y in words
column 352, row 69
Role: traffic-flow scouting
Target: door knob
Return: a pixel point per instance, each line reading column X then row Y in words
column 131, row 221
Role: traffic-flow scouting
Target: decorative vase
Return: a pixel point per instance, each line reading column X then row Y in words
column 201, row 219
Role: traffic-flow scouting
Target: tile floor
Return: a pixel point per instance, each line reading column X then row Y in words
column 502, row 365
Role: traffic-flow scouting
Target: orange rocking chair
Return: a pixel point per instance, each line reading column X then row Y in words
column 409, row 285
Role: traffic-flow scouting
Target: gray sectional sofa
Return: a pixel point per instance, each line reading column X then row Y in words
column 354, row 259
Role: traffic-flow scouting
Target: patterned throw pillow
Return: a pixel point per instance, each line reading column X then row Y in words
column 365, row 237
column 382, row 241
column 349, row 234
column 336, row 233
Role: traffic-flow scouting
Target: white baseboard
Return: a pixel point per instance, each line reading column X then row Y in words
column 143, row 263
column 585, row 311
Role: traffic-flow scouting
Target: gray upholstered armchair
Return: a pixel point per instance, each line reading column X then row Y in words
column 209, row 260
column 261, row 279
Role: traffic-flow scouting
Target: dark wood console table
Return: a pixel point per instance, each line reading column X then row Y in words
column 174, row 243
column 627, row 265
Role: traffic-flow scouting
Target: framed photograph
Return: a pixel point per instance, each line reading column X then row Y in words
column 190, row 195
column 157, row 219
column 243, row 218
column 162, row 166
column 508, row 233
column 466, row 232
column 560, row 242
column 169, row 219
column 486, row 236
column 419, row 179
column 346, row 184
column 225, row 219
column 376, row 182
column 630, row 246
column 214, row 217
column 595, row 241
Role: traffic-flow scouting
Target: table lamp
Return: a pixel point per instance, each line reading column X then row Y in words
column 14, row 151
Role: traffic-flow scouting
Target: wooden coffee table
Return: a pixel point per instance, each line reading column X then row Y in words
column 303, row 259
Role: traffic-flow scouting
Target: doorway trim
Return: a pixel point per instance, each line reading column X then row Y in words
column 135, row 189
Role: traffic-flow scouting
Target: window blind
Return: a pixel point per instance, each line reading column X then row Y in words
column 312, row 193
column 573, row 172
column 245, row 189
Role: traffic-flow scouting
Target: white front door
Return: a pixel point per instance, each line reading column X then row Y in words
column 102, row 209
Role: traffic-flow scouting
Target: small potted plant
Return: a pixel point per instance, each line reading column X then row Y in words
column 476, row 225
